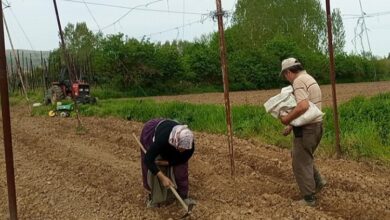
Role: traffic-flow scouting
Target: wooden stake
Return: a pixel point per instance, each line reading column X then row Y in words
column 9, row 161
column 333, row 79
column 225, row 76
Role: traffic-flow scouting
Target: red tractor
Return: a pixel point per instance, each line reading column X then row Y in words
column 78, row 90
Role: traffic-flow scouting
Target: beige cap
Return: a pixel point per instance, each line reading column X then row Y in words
column 289, row 62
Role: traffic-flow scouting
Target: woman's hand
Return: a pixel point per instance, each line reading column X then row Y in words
column 165, row 180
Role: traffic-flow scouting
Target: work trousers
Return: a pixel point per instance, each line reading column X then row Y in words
column 306, row 140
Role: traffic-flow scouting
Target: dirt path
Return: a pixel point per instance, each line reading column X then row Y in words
column 63, row 175
column 259, row 97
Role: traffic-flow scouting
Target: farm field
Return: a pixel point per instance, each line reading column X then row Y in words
column 344, row 92
column 96, row 175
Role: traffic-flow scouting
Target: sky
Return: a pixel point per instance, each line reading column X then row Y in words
column 32, row 23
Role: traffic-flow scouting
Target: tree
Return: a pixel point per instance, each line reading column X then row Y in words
column 81, row 43
column 79, row 39
column 338, row 32
column 201, row 62
column 258, row 21
column 111, row 61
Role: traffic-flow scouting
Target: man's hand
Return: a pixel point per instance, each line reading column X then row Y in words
column 287, row 130
column 165, row 180
column 284, row 120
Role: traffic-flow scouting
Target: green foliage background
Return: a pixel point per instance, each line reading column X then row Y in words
column 263, row 32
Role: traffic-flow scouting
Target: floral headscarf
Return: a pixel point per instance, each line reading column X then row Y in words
column 181, row 137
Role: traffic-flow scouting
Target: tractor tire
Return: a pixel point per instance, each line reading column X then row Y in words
column 47, row 99
column 56, row 94
column 92, row 100
column 81, row 100
column 85, row 100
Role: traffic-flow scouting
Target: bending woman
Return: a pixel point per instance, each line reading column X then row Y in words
column 168, row 144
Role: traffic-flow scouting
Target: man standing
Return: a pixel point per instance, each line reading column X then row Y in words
column 306, row 137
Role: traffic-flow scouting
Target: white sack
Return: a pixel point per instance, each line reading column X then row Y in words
column 310, row 115
column 283, row 103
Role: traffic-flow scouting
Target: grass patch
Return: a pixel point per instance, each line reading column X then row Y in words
column 248, row 121
column 364, row 126
column 106, row 92
column 365, row 123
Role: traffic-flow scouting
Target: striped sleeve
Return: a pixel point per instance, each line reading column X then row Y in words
column 300, row 90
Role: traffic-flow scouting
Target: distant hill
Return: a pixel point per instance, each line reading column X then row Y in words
column 35, row 57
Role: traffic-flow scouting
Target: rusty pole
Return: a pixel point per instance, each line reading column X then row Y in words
column 67, row 61
column 224, row 68
column 63, row 46
column 9, row 161
column 333, row 78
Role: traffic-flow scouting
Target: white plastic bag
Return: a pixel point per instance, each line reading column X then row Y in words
column 283, row 103
column 276, row 104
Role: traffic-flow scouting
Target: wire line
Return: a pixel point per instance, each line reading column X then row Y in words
column 135, row 8
column 175, row 28
column 90, row 12
column 128, row 12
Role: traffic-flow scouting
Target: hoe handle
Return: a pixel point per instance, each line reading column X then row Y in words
column 179, row 198
column 139, row 143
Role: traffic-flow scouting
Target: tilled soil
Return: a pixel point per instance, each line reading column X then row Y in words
column 96, row 175
column 344, row 92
